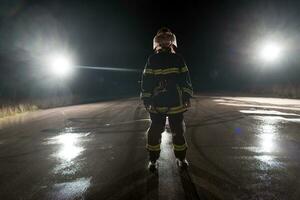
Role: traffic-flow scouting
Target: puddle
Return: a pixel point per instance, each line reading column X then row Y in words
column 267, row 130
column 69, row 147
column 268, row 112
column 71, row 190
column 275, row 101
column 267, row 142
column 260, row 106
column 67, row 168
column 272, row 115
column 259, row 102
column 265, row 162
column 268, row 162
column 278, row 118
column 268, row 133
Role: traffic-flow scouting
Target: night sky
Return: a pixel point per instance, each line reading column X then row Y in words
column 218, row 40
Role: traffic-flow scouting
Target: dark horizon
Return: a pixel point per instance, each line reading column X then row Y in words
column 216, row 38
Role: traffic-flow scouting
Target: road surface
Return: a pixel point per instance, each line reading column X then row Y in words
column 239, row 148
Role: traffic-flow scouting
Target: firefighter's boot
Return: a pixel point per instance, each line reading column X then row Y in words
column 153, row 166
column 183, row 164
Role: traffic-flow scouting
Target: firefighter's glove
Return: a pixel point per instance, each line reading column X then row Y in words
column 147, row 103
column 186, row 100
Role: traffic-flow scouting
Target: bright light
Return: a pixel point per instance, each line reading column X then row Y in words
column 270, row 52
column 60, row 65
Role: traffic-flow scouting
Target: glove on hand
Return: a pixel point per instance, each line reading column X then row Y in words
column 186, row 100
column 147, row 103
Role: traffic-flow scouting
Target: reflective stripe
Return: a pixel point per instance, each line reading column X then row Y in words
column 153, row 147
column 171, row 110
column 180, row 110
column 184, row 69
column 145, row 94
column 180, row 147
column 177, row 111
column 187, row 90
column 180, row 94
column 164, row 71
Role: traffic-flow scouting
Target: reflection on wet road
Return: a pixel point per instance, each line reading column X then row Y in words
column 169, row 178
column 239, row 148
column 272, row 151
column 70, row 190
column 69, row 146
column 267, row 131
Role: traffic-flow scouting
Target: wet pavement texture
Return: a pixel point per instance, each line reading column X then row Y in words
column 239, row 148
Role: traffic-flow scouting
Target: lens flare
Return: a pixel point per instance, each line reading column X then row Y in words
column 60, row 65
column 270, row 51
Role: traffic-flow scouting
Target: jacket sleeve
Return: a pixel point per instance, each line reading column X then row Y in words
column 185, row 80
column 147, row 83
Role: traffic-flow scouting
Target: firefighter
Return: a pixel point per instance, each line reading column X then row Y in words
column 166, row 90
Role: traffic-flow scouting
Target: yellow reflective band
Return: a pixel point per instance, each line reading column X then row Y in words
column 148, row 71
column 171, row 110
column 180, row 147
column 145, row 94
column 177, row 111
column 184, row 69
column 165, row 71
column 153, row 147
column 187, row 90
column 180, row 95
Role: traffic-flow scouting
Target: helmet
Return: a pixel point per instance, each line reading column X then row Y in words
column 164, row 39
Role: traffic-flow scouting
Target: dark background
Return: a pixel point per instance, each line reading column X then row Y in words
column 216, row 38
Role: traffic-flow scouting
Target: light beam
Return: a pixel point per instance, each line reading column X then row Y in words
column 108, row 68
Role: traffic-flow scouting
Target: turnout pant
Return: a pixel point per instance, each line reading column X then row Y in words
column 157, row 127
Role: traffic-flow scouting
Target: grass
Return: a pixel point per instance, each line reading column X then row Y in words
column 10, row 110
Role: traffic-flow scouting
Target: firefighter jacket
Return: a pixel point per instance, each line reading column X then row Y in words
column 166, row 83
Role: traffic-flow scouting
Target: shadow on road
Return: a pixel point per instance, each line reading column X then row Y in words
column 188, row 186
column 137, row 185
column 152, row 187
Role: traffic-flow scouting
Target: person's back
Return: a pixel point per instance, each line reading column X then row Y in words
column 166, row 69
column 166, row 89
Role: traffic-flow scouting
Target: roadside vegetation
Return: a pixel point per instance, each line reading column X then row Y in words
column 10, row 110
column 12, row 107
column 280, row 91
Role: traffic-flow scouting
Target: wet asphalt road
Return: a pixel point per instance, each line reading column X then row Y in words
column 239, row 148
